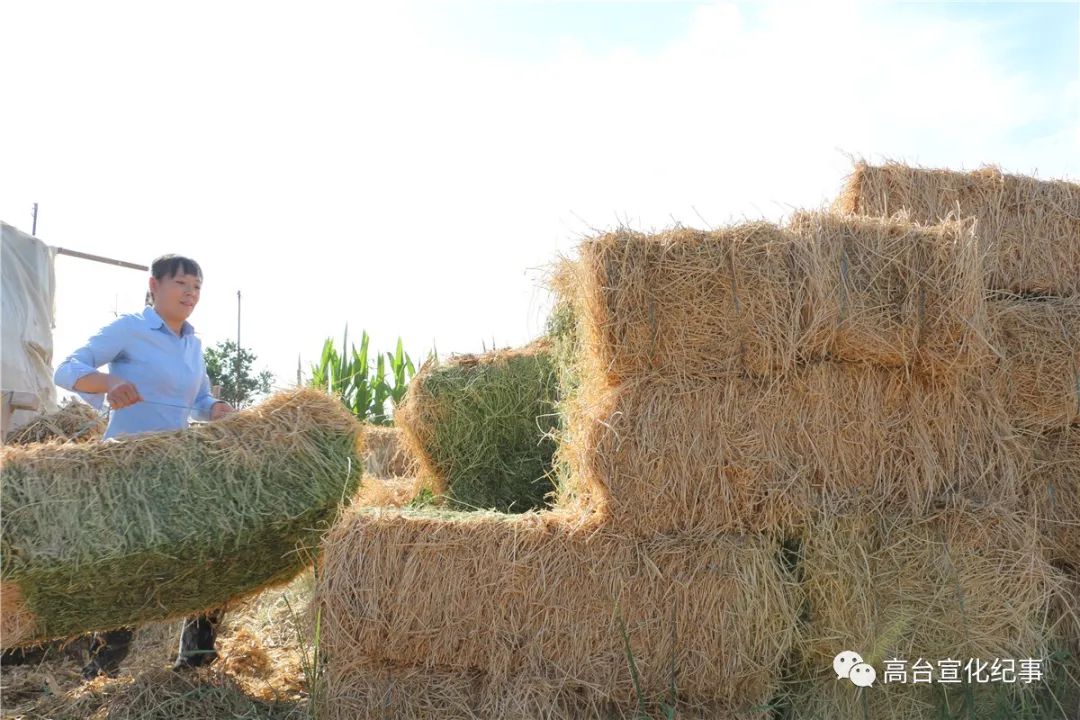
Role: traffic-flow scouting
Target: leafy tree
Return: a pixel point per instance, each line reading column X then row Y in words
column 222, row 362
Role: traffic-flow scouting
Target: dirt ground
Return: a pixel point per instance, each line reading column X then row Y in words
column 262, row 671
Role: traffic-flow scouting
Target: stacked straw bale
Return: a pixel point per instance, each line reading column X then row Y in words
column 1055, row 485
column 1037, row 343
column 750, row 455
column 101, row 535
column 760, row 299
column 1029, row 236
column 75, row 421
column 533, row 596
column 385, row 453
column 830, row 422
column 965, row 582
column 413, row 692
column 847, row 433
column 391, row 477
column 845, row 386
column 889, row 293
column 478, row 427
column 1028, row 228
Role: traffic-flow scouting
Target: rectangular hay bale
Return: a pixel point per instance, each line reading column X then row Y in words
column 1055, row 488
column 889, row 292
column 386, row 691
column 1037, row 371
column 760, row 299
column 965, row 583
column 385, row 453
column 1029, row 229
column 540, row 595
column 752, row 455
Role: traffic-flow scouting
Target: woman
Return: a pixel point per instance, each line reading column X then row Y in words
column 156, row 381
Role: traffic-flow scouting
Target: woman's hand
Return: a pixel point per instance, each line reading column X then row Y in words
column 220, row 410
column 122, row 393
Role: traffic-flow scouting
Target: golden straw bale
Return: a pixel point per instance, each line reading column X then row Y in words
column 753, row 455
column 1065, row 613
column 758, row 298
column 386, row 454
column 918, row 310
column 970, row 580
column 1029, row 229
column 536, row 595
column 967, row 582
column 1038, row 368
column 1055, row 485
column 689, row 303
column 388, row 492
column 889, row 292
column 411, row 692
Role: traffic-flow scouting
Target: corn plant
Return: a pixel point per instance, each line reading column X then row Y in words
column 364, row 389
column 380, row 390
column 401, row 370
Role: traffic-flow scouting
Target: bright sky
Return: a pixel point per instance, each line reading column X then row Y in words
column 411, row 169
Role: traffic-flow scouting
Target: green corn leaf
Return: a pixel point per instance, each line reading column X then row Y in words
column 380, row 392
column 342, row 363
column 362, row 361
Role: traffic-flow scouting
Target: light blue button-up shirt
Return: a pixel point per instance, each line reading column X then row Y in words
column 167, row 369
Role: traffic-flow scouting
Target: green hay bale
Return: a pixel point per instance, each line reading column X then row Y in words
column 564, row 333
column 96, row 536
column 480, row 428
column 562, row 329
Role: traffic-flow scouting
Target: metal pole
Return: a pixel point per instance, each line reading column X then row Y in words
column 98, row 258
column 33, row 229
column 237, row 398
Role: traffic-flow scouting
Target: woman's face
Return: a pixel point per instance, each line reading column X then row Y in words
column 175, row 297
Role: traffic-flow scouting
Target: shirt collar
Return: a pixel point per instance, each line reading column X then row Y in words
column 154, row 321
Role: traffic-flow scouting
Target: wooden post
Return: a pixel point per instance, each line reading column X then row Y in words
column 12, row 400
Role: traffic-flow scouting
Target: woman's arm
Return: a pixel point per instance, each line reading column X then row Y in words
column 208, row 407
column 78, row 372
column 120, row 392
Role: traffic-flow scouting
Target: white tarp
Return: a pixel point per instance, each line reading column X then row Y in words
column 27, row 287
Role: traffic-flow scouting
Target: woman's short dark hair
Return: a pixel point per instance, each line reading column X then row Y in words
column 172, row 265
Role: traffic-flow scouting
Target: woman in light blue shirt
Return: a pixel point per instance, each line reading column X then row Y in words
column 156, row 381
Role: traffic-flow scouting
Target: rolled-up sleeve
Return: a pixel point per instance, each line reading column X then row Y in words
column 100, row 350
column 204, row 402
